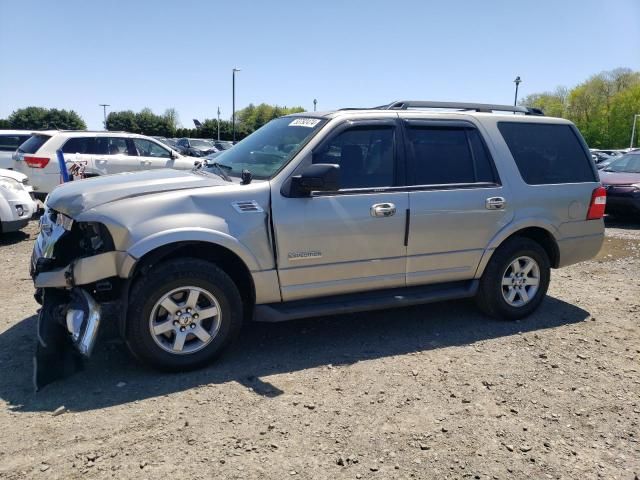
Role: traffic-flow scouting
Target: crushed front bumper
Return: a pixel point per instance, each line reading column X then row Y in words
column 74, row 300
column 68, row 325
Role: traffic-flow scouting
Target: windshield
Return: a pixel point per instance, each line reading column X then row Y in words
column 269, row 148
column 200, row 143
column 629, row 163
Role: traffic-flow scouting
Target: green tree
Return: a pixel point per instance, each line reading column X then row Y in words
column 145, row 122
column 37, row 118
column 124, row 121
column 5, row 124
column 171, row 117
column 602, row 107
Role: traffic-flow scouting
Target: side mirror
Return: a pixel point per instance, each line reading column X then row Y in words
column 173, row 154
column 319, row 177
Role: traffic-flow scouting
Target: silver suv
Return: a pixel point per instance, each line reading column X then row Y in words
column 316, row 214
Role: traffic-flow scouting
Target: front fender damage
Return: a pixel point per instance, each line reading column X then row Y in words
column 68, row 325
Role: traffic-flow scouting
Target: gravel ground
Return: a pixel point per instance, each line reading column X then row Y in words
column 437, row 391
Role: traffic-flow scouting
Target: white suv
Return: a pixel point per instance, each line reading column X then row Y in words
column 10, row 140
column 96, row 153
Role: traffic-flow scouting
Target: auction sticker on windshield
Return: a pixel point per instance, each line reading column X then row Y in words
column 305, row 122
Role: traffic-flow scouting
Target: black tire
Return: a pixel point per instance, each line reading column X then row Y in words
column 490, row 298
column 164, row 278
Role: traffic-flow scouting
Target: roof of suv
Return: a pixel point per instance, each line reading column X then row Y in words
column 91, row 133
column 437, row 108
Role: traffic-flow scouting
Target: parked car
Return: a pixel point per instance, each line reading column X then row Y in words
column 10, row 140
column 169, row 142
column 196, row 147
column 98, row 153
column 16, row 205
column 317, row 214
column 222, row 145
column 621, row 179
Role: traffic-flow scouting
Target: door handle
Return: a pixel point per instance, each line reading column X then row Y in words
column 495, row 203
column 383, row 210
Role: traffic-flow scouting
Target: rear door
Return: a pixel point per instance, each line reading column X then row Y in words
column 456, row 200
column 78, row 155
column 113, row 156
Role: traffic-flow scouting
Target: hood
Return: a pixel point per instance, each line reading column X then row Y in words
column 619, row 178
column 75, row 197
column 20, row 177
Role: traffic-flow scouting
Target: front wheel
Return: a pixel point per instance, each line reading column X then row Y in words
column 182, row 315
column 515, row 281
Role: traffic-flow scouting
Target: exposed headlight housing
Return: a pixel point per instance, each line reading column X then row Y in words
column 64, row 221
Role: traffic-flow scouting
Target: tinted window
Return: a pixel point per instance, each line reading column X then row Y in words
column 365, row 155
column 147, row 148
column 10, row 143
column 33, row 144
column 79, row 145
column 547, row 153
column 445, row 155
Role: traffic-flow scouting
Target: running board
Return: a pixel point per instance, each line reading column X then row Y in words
column 361, row 302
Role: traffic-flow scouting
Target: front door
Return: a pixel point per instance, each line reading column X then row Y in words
column 456, row 199
column 354, row 239
column 152, row 155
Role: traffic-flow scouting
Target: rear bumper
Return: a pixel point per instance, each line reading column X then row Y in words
column 577, row 249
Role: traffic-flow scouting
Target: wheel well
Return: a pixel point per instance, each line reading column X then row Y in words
column 221, row 256
column 545, row 239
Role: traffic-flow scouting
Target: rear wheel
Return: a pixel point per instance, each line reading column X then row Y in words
column 182, row 315
column 515, row 281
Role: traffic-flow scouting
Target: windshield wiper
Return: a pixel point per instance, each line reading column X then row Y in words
column 221, row 170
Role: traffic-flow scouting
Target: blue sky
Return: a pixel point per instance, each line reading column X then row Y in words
column 159, row 54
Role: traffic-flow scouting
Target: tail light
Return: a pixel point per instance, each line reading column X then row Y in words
column 598, row 202
column 36, row 162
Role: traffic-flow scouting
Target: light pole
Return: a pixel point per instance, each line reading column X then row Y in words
column 633, row 130
column 315, row 102
column 233, row 103
column 517, row 81
column 218, row 123
column 104, row 112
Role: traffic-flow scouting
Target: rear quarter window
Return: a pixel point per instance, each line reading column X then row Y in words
column 34, row 143
column 547, row 153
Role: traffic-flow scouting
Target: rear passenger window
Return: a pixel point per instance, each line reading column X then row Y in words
column 446, row 155
column 84, row 145
column 547, row 153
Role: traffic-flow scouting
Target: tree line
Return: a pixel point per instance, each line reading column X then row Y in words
column 602, row 107
column 146, row 122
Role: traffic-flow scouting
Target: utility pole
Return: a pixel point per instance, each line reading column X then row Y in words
column 517, row 81
column 104, row 112
column 218, row 123
column 233, row 102
column 633, row 130
column 315, row 103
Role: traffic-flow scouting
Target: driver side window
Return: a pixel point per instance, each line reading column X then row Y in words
column 147, row 148
column 366, row 157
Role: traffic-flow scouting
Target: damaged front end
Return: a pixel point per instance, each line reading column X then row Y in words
column 74, row 268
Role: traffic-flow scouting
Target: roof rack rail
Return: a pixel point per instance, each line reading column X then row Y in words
column 477, row 107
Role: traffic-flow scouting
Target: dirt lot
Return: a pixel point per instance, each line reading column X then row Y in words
column 428, row 392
